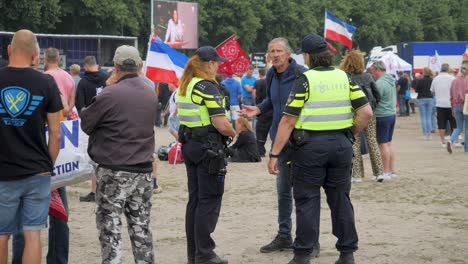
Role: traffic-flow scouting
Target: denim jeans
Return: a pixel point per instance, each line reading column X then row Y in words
column 462, row 121
column 58, row 238
column 284, row 191
column 402, row 102
column 425, row 109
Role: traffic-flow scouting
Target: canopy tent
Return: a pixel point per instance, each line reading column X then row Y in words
column 393, row 63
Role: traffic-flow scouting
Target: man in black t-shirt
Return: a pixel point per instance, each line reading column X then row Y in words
column 28, row 99
column 264, row 120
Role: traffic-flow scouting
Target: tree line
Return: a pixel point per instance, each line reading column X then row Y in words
column 255, row 22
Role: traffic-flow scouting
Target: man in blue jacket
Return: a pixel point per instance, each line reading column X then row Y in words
column 235, row 93
column 280, row 80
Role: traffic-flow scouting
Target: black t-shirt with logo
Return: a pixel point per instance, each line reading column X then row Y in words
column 26, row 96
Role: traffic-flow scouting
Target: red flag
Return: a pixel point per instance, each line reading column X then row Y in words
column 237, row 60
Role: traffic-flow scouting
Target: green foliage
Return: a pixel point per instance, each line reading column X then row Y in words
column 33, row 15
column 378, row 22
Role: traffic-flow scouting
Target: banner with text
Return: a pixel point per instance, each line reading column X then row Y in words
column 73, row 164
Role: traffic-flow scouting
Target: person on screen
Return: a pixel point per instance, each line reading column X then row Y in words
column 175, row 29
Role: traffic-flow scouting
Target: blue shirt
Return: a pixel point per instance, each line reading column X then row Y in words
column 277, row 94
column 234, row 88
column 247, row 81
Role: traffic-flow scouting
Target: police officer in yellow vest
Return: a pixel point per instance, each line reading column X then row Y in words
column 203, row 131
column 319, row 119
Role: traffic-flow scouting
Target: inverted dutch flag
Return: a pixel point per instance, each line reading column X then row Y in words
column 164, row 64
column 338, row 30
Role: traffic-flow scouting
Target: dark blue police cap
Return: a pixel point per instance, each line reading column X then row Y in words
column 312, row 44
column 208, row 53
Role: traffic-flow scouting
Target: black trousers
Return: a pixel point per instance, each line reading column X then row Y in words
column 324, row 161
column 261, row 131
column 204, row 204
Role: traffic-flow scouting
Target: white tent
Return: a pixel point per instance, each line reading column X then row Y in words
column 395, row 63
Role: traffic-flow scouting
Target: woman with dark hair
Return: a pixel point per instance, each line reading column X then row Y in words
column 353, row 64
column 203, row 130
column 425, row 102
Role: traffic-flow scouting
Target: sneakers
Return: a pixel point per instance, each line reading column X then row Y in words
column 449, row 147
column 90, row 197
column 215, row 260
column 356, row 179
column 384, row 177
column 458, row 145
column 345, row 258
column 278, row 244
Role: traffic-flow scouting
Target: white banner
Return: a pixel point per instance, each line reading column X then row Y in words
column 73, row 164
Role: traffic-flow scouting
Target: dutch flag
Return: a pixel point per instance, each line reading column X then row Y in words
column 164, row 64
column 338, row 30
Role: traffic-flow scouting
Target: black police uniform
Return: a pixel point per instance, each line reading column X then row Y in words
column 323, row 159
column 202, row 150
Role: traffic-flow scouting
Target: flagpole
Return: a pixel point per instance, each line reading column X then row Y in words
column 233, row 35
column 324, row 28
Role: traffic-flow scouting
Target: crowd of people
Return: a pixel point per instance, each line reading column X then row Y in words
column 315, row 117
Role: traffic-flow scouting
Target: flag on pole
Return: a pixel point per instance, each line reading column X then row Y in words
column 163, row 63
column 465, row 55
column 237, row 60
column 338, row 30
column 434, row 62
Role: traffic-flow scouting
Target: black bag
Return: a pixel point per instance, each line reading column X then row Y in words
column 367, row 84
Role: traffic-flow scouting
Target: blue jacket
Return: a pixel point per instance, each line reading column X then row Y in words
column 234, row 88
column 277, row 95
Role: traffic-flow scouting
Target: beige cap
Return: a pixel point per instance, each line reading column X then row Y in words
column 126, row 52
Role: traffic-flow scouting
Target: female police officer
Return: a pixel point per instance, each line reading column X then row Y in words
column 204, row 128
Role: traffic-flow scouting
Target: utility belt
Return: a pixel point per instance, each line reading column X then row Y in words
column 300, row 137
column 213, row 141
column 202, row 134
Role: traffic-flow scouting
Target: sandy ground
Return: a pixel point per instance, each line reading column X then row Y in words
column 422, row 217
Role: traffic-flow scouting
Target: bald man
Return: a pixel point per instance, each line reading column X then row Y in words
column 28, row 99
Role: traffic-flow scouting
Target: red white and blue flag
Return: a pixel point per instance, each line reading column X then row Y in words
column 338, row 30
column 163, row 63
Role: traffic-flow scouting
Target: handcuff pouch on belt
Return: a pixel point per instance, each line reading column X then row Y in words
column 299, row 137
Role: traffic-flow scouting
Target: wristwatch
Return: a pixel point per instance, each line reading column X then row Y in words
column 271, row 155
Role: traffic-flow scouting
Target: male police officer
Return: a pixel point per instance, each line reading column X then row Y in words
column 319, row 114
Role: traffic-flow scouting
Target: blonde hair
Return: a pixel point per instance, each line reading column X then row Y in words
column 244, row 123
column 464, row 69
column 353, row 62
column 427, row 71
column 75, row 69
column 195, row 68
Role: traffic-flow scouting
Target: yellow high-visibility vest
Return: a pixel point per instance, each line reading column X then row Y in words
column 329, row 104
column 191, row 114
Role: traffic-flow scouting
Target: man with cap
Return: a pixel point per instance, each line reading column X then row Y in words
column 319, row 118
column 203, row 132
column 119, row 122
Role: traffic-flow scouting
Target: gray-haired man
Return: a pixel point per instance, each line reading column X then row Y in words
column 120, row 124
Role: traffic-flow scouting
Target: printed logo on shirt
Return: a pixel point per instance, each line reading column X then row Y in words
column 17, row 101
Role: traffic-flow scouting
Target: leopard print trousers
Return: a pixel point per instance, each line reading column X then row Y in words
column 375, row 157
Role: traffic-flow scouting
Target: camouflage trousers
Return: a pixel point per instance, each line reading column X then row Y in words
column 120, row 192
